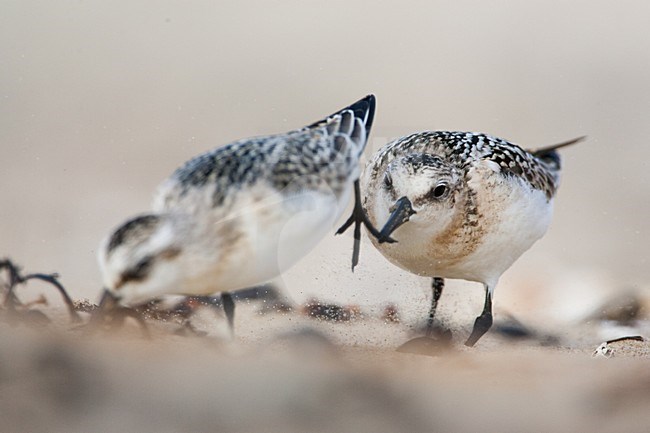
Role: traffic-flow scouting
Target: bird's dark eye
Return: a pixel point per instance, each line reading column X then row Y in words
column 388, row 181
column 439, row 191
column 139, row 271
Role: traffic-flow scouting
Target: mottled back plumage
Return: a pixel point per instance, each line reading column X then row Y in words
column 323, row 155
column 465, row 148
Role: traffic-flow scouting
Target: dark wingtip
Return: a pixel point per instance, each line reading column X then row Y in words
column 363, row 108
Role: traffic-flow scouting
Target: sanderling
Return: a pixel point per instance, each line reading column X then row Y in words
column 461, row 205
column 239, row 215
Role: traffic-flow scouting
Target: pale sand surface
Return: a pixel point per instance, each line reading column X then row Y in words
column 100, row 101
column 289, row 373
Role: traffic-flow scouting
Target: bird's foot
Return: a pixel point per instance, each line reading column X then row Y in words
column 481, row 325
column 437, row 340
column 359, row 218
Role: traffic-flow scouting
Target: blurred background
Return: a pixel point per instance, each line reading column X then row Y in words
column 100, row 101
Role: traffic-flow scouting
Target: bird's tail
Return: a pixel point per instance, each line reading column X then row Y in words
column 354, row 122
column 549, row 154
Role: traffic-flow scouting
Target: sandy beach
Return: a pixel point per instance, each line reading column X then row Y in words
column 286, row 372
column 99, row 102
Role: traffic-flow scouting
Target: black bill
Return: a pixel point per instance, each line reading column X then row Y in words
column 108, row 303
column 400, row 213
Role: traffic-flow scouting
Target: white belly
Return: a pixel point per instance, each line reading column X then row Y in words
column 521, row 225
column 510, row 225
column 261, row 239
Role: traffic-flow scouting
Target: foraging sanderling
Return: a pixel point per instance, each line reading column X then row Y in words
column 239, row 215
column 460, row 205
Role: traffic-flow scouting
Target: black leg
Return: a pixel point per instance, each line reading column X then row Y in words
column 437, row 284
column 358, row 217
column 482, row 322
column 437, row 338
column 229, row 309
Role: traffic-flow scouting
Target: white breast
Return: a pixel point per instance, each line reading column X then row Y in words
column 512, row 217
column 520, row 219
column 263, row 234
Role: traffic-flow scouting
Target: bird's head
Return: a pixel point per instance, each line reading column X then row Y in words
column 420, row 189
column 139, row 260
